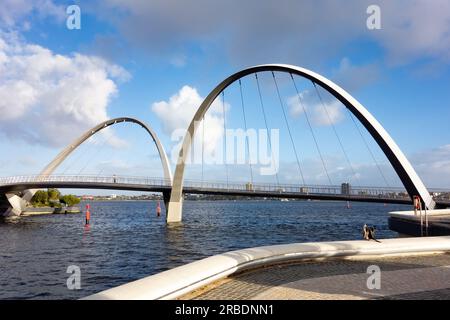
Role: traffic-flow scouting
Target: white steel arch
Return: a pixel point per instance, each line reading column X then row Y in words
column 398, row 160
column 18, row 203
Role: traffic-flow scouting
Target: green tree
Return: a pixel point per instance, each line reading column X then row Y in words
column 53, row 194
column 70, row 200
column 40, row 198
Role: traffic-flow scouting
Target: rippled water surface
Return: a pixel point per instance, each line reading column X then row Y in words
column 126, row 241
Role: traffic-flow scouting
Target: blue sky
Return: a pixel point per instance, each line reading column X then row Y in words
column 133, row 58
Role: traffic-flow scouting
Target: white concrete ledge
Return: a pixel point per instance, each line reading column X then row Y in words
column 181, row 280
column 438, row 214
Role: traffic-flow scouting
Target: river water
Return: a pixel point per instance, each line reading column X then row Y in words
column 127, row 241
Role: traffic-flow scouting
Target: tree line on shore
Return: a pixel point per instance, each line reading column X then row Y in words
column 53, row 198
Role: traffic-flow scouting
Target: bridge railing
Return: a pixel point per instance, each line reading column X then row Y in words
column 85, row 179
column 293, row 188
column 246, row 187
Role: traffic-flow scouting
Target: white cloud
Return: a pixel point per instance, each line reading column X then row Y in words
column 288, row 30
column 49, row 98
column 178, row 60
column 328, row 113
column 109, row 137
column 433, row 166
column 14, row 12
column 415, row 29
column 349, row 76
column 295, row 107
column 179, row 110
column 353, row 77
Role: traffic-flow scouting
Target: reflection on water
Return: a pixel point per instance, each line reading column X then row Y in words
column 127, row 241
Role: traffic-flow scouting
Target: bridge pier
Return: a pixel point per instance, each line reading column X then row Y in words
column 174, row 210
column 166, row 199
column 13, row 203
column 17, row 205
column 4, row 204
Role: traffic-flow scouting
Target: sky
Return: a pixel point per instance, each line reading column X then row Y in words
column 157, row 60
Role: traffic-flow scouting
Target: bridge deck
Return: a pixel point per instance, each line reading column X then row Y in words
column 198, row 190
column 362, row 194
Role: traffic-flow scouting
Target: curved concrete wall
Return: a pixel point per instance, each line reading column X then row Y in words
column 181, row 280
column 410, row 215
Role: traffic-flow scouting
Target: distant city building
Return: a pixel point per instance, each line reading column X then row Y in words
column 345, row 188
column 304, row 190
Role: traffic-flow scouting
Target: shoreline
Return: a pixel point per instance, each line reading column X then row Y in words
column 33, row 211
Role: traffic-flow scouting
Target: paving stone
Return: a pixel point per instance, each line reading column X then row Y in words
column 403, row 277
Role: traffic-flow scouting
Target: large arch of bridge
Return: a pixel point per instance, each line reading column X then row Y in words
column 398, row 160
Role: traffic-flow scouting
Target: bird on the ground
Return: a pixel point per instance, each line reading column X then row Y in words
column 368, row 233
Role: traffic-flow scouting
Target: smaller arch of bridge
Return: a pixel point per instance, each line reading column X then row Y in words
column 51, row 167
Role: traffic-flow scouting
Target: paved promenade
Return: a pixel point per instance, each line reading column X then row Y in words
column 403, row 277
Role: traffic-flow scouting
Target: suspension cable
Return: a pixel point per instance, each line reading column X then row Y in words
column 334, row 129
column 72, row 161
column 245, row 134
column 203, row 145
column 109, row 156
column 75, row 158
column 289, row 129
column 97, row 151
column 311, row 130
column 265, row 121
column 110, row 153
column 368, row 148
column 225, row 133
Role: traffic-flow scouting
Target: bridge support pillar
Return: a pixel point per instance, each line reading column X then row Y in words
column 17, row 203
column 166, row 199
column 174, row 211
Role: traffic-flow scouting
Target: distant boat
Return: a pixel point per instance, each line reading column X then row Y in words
column 284, row 199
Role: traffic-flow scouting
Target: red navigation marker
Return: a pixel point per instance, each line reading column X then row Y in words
column 88, row 214
column 158, row 209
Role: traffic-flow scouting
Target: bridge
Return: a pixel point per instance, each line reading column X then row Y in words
column 148, row 184
column 19, row 190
